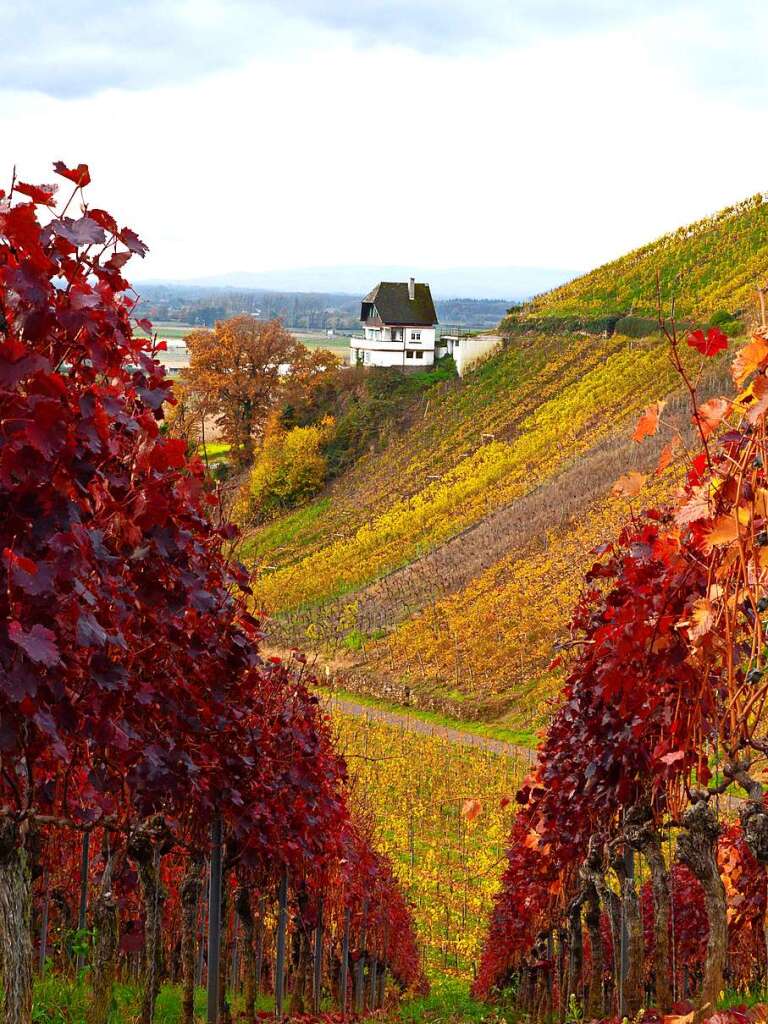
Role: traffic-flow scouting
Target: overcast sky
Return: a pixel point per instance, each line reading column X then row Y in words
column 249, row 135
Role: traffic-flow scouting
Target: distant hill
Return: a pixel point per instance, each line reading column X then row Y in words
column 507, row 283
column 712, row 267
column 205, row 304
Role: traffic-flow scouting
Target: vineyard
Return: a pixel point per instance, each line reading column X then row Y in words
column 657, row 739
column 441, row 813
column 173, row 807
column 711, row 266
column 188, row 830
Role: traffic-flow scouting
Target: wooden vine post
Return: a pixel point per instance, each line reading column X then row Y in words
column 317, row 977
column 360, row 965
column 82, row 917
column 282, row 922
column 214, row 922
column 344, row 974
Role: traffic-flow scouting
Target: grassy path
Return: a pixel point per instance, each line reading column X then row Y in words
column 403, row 719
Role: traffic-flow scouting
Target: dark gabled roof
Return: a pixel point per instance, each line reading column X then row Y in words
column 394, row 306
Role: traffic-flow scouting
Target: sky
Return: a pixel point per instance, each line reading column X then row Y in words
column 250, row 135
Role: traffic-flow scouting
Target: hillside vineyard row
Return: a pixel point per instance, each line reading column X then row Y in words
column 144, row 738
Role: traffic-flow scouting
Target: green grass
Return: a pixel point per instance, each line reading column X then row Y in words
column 60, row 1000
column 285, row 531
column 448, row 1002
column 517, row 737
column 214, row 449
column 168, row 329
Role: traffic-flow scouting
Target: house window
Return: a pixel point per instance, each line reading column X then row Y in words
column 415, row 335
column 409, row 355
column 367, row 357
column 419, row 355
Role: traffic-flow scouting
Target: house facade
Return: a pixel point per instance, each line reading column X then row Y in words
column 399, row 326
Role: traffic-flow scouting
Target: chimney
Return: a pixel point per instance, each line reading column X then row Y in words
column 411, row 288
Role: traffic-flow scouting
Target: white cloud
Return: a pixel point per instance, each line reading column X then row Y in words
column 563, row 150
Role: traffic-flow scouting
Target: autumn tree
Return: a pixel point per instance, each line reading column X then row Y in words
column 242, row 369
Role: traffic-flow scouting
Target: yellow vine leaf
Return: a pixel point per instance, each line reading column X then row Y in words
column 725, row 530
column 703, row 619
column 749, row 359
column 759, row 407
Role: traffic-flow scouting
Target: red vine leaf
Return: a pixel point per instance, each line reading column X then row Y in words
column 80, row 174
column 708, row 344
column 39, row 644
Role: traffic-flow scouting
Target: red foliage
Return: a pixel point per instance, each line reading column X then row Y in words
column 130, row 678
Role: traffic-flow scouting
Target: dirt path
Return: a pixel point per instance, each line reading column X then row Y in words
column 413, row 724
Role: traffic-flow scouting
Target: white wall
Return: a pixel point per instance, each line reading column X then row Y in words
column 427, row 339
column 468, row 352
column 393, row 357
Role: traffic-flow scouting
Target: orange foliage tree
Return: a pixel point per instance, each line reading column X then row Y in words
column 242, row 369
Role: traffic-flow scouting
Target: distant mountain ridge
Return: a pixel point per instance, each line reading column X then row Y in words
column 512, row 284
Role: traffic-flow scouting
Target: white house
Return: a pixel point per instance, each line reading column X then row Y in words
column 399, row 326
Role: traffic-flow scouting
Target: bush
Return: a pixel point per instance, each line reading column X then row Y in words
column 289, row 470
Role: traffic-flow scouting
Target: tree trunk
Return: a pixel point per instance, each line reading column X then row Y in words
column 191, row 889
column 562, row 971
column 632, row 988
column 225, row 1012
column 245, row 913
column 105, row 950
column 697, row 849
column 593, row 872
column 643, row 836
column 594, row 1005
column 301, row 969
column 145, row 848
column 15, row 925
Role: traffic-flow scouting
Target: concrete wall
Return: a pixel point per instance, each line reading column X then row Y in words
column 468, row 352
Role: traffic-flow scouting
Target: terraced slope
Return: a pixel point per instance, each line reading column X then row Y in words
column 712, row 266
column 479, row 449
column 440, row 571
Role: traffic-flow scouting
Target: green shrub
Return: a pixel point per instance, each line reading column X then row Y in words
column 289, row 470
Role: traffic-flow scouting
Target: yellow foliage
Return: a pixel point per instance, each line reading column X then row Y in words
column 496, row 635
column 418, row 789
column 566, row 408
column 290, row 468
